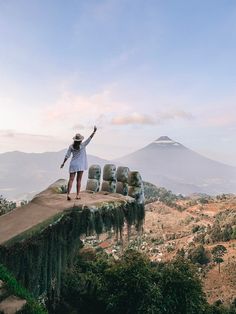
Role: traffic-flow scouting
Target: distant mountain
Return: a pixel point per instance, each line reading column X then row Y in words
column 163, row 162
column 167, row 163
column 22, row 175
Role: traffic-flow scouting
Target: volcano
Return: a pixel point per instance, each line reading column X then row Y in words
column 168, row 163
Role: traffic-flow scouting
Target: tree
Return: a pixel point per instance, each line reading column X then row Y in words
column 233, row 236
column 181, row 252
column 131, row 285
column 83, row 285
column 227, row 233
column 5, row 205
column 181, row 288
column 199, row 255
column 218, row 252
column 24, row 202
column 216, row 232
column 203, row 200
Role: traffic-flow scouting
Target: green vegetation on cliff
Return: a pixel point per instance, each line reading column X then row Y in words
column 14, row 288
column 5, row 205
column 38, row 257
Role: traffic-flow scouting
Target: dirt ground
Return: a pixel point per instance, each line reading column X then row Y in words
column 162, row 221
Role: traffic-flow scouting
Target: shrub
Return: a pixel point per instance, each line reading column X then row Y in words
column 199, row 255
column 131, row 285
column 32, row 306
column 5, row 205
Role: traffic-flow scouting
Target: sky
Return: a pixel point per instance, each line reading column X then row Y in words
column 136, row 69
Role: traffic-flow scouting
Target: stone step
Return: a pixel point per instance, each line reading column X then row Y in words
column 11, row 305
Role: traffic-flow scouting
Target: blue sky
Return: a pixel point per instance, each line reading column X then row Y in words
column 137, row 69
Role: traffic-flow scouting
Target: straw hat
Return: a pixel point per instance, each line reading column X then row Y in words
column 78, row 137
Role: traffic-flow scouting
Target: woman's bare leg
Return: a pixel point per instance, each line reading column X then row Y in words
column 71, row 179
column 78, row 186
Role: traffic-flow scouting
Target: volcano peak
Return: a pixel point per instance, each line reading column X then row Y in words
column 165, row 140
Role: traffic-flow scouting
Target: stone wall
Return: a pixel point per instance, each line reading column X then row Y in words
column 116, row 180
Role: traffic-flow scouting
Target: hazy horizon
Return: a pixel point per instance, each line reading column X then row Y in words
column 138, row 70
column 116, row 156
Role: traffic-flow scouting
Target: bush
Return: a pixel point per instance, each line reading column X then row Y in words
column 131, row 285
column 199, row 255
column 6, row 206
column 153, row 193
column 195, row 228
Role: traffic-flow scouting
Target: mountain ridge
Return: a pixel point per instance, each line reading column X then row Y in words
column 22, row 174
column 181, row 145
column 168, row 163
column 163, row 162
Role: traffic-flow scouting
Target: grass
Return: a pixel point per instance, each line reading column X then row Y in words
column 14, row 288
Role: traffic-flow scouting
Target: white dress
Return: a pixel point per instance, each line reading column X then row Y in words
column 79, row 160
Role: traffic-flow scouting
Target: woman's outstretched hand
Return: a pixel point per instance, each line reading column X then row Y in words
column 62, row 165
column 94, row 131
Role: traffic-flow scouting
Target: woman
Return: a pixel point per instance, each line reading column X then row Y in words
column 78, row 161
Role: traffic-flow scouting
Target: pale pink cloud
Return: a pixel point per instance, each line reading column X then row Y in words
column 133, row 118
column 12, row 140
column 15, row 134
column 223, row 119
column 175, row 114
column 103, row 108
column 83, row 107
column 144, row 119
column 78, row 127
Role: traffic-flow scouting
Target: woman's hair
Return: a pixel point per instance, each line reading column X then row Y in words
column 76, row 145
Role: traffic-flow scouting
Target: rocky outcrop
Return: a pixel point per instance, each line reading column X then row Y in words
column 94, row 177
column 122, row 185
column 11, row 305
column 109, row 178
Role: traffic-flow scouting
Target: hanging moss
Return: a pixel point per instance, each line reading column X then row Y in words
column 135, row 215
column 38, row 257
column 98, row 223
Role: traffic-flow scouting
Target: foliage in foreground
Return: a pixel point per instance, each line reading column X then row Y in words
column 5, row 205
column 14, row 288
column 133, row 284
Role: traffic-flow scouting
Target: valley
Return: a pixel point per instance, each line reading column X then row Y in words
column 169, row 232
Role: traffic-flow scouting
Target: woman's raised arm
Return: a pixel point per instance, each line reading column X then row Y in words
column 90, row 137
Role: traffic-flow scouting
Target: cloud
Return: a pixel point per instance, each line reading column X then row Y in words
column 175, row 114
column 71, row 106
column 15, row 134
column 222, row 120
column 219, row 115
column 78, row 127
column 103, row 108
column 11, row 140
column 144, row 119
column 134, row 118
